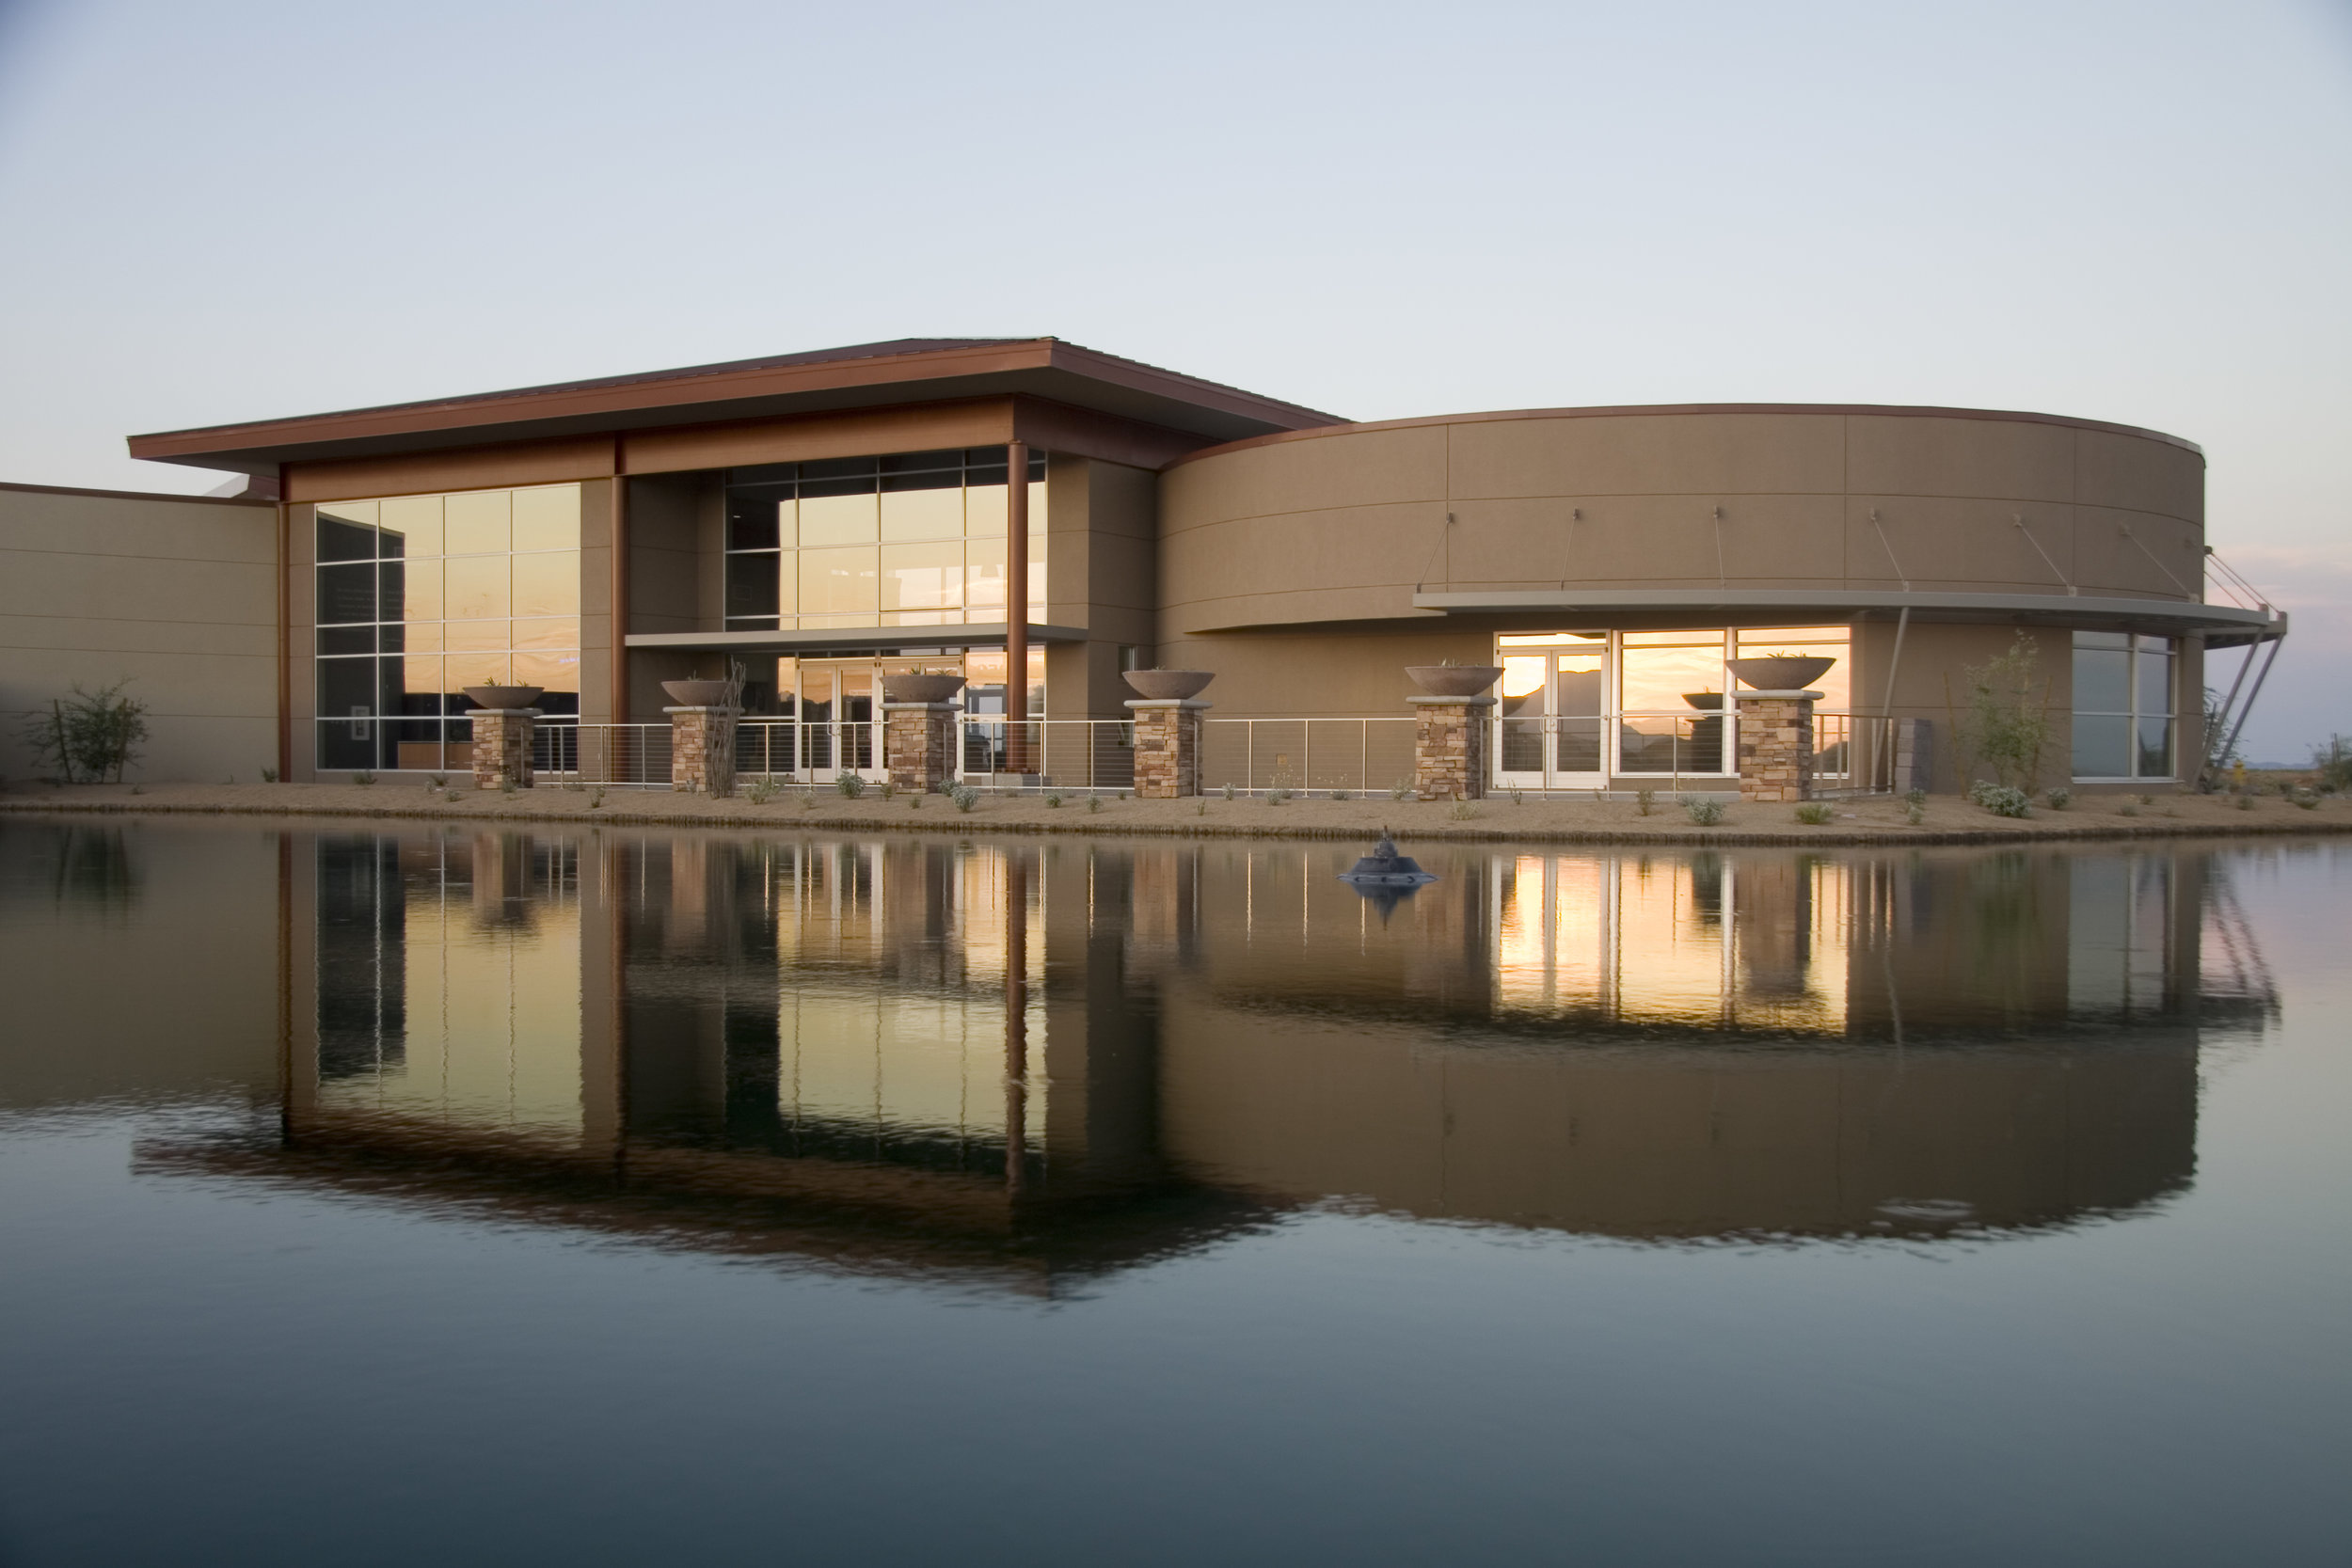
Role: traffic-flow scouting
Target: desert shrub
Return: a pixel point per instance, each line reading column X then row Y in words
column 364, row 776
column 1094, row 804
column 269, row 775
column 1342, row 795
column 1644, row 801
column 851, row 784
column 762, row 791
column 90, row 736
column 2059, row 799
column 1463, row 811
column 1053, row 800
column 1916, row 798
column 963, row 796
column 1915, row 815
column 2244, row 802
column 595, row 797
column 440, row 781
column 2003, row 724
column 1277, row 795
column 2001, row 800
column 2332, row 764
column 1705, row 812
column 1228, row 792
column 1813, row 814
column 1401, row 790
column 888, row 788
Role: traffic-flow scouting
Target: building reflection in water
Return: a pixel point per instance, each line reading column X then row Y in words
column 1024, row 1062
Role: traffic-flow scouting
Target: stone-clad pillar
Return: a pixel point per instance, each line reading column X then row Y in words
column 1776, row 745
column 501, row 746
column 919, row 745
column 1449, row 747
column 1168, row 746
column 702, row 750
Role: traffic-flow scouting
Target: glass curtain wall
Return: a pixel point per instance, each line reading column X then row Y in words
column 917, row 539
column 2124, row 706
column 420, row 596
column 1661, row 693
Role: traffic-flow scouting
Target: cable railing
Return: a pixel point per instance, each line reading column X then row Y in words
column 994, row 752
column 1253, row 756
column 629, row 755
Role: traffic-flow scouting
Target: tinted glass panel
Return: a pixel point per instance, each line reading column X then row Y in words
column 832, row 468
column 347, row 687
column 479, row 585
column 412, row 526
column 924, row 462
column 2101, row 680
column 751, row 523
column 922, row 576
column 347, row 640
column 2102, row 746
column 837, row 583
column 933, row 513
column 751, row 585
column 344, row 539
column 548, row 520
column 480, row 523
column 346, row 594
column 547, row 584
column 2153, row 675
column 839, row 519
column 2155, row 748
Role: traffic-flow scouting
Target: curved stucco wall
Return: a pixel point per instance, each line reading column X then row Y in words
column 1342, row 524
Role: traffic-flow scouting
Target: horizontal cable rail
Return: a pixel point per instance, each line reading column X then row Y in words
column 623, row 754
column 1046, row 753
column 1254, row 756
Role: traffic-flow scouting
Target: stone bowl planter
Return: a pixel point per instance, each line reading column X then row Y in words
column 504, row 696
column 1780, row 674
column 1169, row 685
column 920, row 689
column 1712, row 700
column 697, row 693
column 1454, row 680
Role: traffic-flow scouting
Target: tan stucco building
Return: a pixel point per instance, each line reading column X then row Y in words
column 826, row 520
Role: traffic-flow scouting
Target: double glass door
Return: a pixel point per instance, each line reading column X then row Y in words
column 1551, row 729
column 840, row 715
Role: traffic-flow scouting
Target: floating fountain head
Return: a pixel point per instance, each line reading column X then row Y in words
column 1385, row 877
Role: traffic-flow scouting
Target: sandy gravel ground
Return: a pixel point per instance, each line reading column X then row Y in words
column 1949, row 819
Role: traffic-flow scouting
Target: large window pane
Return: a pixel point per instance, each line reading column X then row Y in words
column 984, row 580
column 548, row 518
column 412, row 526
column 752, row 520
column 347, row 640
column 2155, row 759
column 837, row 583
column 1654, row 679
column 346, row 594
column 752, row 586
column 839, row 519
column 559, row 673
column 922, row 576
column 2103, row 680
column 549, row 631
column 935, row 513
column 480, row 522
column 420, row 596
column 478, row 636
column 464, row 670
column 2102, row 746
column 479, row 586
column 345, row 536
column 547, row 584
column 984, row 511
column 348, row 688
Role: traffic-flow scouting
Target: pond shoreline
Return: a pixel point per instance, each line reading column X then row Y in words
column 1880, row 823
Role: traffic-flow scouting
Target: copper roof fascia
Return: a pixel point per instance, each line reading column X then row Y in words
column 1855, row 410
column 703, row 396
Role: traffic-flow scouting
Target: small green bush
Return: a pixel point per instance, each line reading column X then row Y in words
column 1705, row 812
column 2245, row 801
column 1401, row 790
column 269, row 775
column 1813, row 814
column 2332, row 763
column 1915, row 815
column 363, row 777
column 1277, row 795
column 1342, row 795
column 90, row 736
column 1916, row 798
column 1094, row 804
column 851, row 784
column 1463, row 811
column 2059, row 799
column 963, row 796
column 762, row 791
column 1053, row 800
column 1645, row 803
column 2001, row 800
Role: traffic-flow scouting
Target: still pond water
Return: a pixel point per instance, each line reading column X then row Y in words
column 447, row 1195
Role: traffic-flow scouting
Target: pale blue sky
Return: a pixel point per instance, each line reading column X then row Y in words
column 2129, row 211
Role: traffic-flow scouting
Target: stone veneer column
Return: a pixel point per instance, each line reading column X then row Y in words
column 919, row 745
column 1168, row 746
column 1449, row 750
column 501, row 746
column 702, row 750
column 1776, row 745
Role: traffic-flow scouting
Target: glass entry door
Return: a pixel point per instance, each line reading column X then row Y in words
column 840, row 719
column 1552, row 723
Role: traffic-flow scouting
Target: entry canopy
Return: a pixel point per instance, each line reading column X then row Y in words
column 2221, row 625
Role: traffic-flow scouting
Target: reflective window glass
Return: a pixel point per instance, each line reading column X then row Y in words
column 548, row 518
column 347, row 687
column 421, row 636
column 752, row 583
column 752, row 522
column 547, row 584
column 347, row 640
column 477, row 636
column 344, row 537
column 478, row 586
column 346, row 594
column 984, row 580
column 559, row 673
column 1656, row 679
column 415, row 522
column 546, row 631
column 420, row 591
column 922, row 576
column 2102, row 746
column 984, row 511
column 2103, row 680
column 2154, row 756
column 2152, row 675
column 929, row 513
column 838, row 581
column 480, row 522
column 852, row 519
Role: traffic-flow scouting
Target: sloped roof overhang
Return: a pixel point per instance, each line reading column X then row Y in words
column 866, row 375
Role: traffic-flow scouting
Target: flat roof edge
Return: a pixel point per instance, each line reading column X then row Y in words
column 1869, row 410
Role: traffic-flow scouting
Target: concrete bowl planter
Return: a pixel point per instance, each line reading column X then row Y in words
column 1780, row 674
column 1710, row 701
column 1454, row 680
column 920, row 689
column 697, row 693
column 1169, row 685
column 504, row 696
